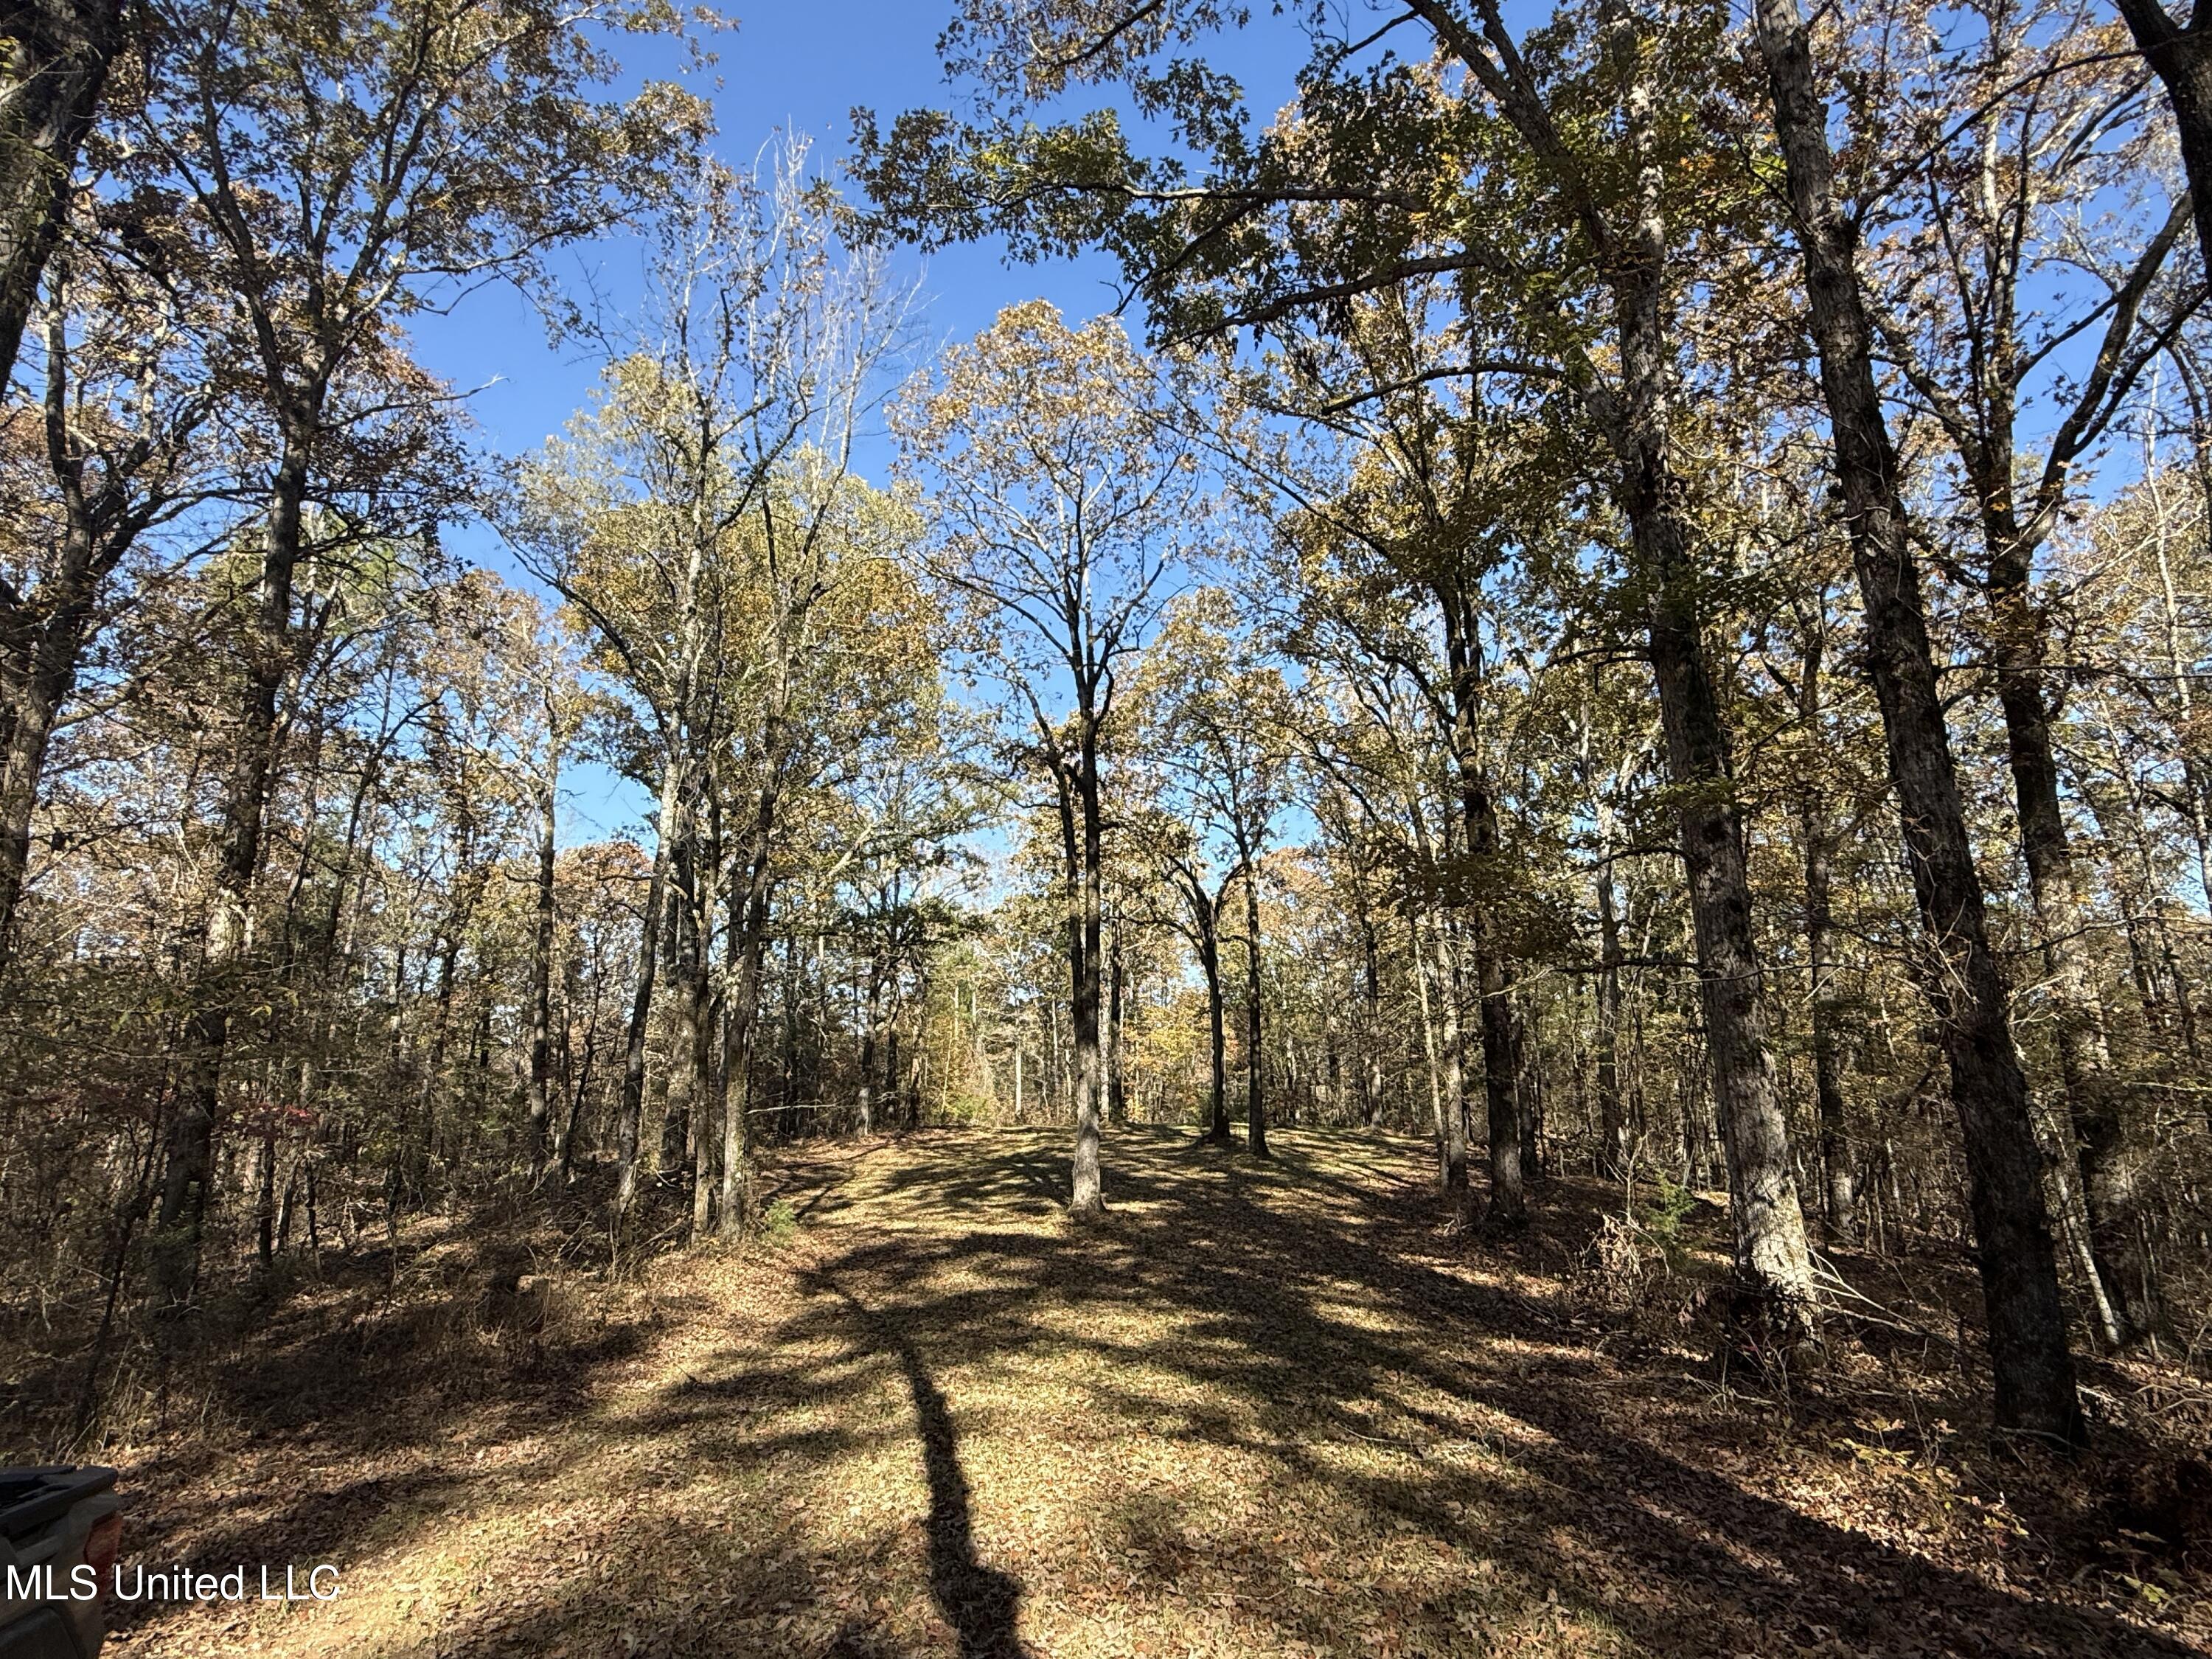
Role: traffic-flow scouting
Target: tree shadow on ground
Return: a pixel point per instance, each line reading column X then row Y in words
column 982, row 1606
column 1256, row 1409
column 1263, row 1277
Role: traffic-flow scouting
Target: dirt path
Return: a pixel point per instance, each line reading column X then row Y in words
column 1263, row 1410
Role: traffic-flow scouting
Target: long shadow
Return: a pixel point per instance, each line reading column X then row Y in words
column 1260, row 1335
column 980, row 1604
column 1313, row 1312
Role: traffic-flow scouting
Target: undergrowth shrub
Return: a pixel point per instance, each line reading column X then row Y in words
column 1636, row 1266
column 1662, row 1215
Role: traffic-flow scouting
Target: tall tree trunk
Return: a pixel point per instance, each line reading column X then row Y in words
column 1255, row 1105
column 1209, row 962
column 688, row 1035
column 1839, row 1182
column 2118, row 1276
column 43, row 637
column 2034, row 1371
column 1055, row 1061
column 1431, row 1049
column 1527, row 1090
column 1117, row 1105
column 694, row 1051
column 2078, row 1024
column 870, row 1011
column 630, row 1109
column 1369, row 1032
column 749, row 919
column 174, row 1247
column 1452, row 1057
column 1088, row 1196
column 35, row 685
column 575, row 1072
column 1612, row 1110
column 1773, row 1262
column 540, row 1098
column 706, row 1117
column 740, row 1029
column 264, row 1208
column 1501, row 1090
column 1493, row 974
column 416, row 1162
column 57, row 53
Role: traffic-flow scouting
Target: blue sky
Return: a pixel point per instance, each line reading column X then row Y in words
column 796, row 67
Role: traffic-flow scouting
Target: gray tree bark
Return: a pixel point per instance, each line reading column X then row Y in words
column 2034, row 1371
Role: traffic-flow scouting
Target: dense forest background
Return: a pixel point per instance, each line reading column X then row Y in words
column 1631, row 596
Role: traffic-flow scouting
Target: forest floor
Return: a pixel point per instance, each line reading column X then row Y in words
column 1263, row 1409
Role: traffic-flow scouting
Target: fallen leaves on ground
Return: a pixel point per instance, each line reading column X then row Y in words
column 1261, row 1409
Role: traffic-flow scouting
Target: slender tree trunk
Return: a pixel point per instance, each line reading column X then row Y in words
column 695, row 1052
column 288, row 1208
column 417, row 1162
column 1431, row 1049
column 1508, row 1165
column 1055, row 1061
column 1451, row 1054
column 1493, row 974
column 1089, row 1196
column 264, row 1208
column 42, row 638
column 1839, row 1180
column 2033, row 1371
column 540, row 1099
column 891, row 1072
column 688, row 1035
column 1209, row 962
column 1370, row 1033
column 174, row 1247
column 2078, row 1024
column 1772, row 1263
column 35, row 691
column 1255, row 1107
column 739, row 1030
column 870, row 1010
column 707, row 1120
column 749, row 921
column 629, row 1109
column 1117, row 1105
column 1527, row 1090
column 575, row 1074
column 1612, row 1110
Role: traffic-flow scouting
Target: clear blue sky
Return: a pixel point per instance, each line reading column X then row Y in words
column 800, row 67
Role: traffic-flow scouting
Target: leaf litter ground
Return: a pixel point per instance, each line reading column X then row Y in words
column 1263, row 1408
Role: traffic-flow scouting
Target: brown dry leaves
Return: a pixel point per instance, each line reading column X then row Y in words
column 1262, row 1410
